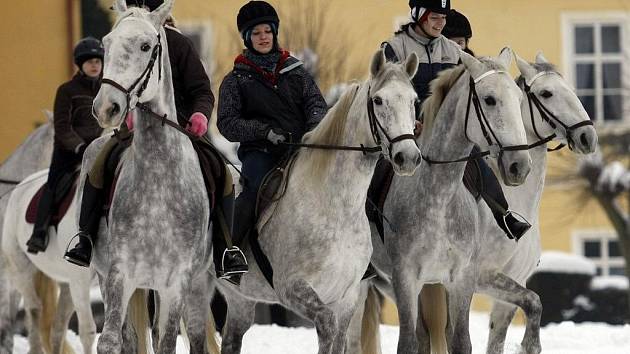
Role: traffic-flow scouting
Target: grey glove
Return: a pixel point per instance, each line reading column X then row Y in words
column 276, row 136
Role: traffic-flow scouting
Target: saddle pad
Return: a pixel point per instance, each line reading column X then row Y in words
column 59, row 211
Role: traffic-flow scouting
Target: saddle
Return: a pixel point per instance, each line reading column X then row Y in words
column 274, row 184
column 63, row 198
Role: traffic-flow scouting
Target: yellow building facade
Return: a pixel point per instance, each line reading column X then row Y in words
column 36, row 38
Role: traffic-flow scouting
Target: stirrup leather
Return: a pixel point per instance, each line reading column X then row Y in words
column 229, row 273
column 519, row 218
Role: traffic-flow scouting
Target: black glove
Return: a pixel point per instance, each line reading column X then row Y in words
column 277, row 136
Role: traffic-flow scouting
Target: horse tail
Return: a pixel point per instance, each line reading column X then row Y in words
column 433, row 300
column 139, row 316
column 212, row 344
column 370, row 323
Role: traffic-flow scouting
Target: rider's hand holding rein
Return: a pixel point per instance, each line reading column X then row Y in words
column 277, row 136
column 198, row 124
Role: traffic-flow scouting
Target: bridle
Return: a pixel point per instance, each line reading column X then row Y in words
column 375, row 127
column 486, row 128
column 548, row 116
column 137, row 88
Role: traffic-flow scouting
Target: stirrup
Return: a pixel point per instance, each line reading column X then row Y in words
column 237, row 251
column 75, row 261
column 519, row 218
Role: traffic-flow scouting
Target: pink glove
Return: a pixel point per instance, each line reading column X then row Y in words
column 129, row 120
column 198, row 124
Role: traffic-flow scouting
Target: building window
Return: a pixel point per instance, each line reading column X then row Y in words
column 594, row 57
column 601, row 247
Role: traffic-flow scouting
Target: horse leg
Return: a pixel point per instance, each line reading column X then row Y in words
column 500, row 319
column 62, row 317
column 345, row 314
column 303, row 299
column 458, row 334
column 117, row 293
column 196, row 314
column 240, row 316
column 407, row 290
column 172, row 304
column 23, row 276
column 502, row 287
column 353, row 340
column 9, row 299
column 80, row 291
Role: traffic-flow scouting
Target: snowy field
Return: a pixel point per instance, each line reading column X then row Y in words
column 564, row 338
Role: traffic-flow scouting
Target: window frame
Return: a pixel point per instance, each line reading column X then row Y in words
column 604, row 262
column 571, row 20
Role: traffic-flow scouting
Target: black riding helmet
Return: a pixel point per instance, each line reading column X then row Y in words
column 457, row 25
column 439, row 6
column 150, row 4
column 254, row 13
column 88, row 48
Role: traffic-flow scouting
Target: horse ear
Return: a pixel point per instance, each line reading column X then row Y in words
column 472, row 64
column 540, row 58
column 160, row 14
column 411, row 65
column 505, row 57
column 525, row 68
column 378, row 61
column 120, row 6
column 49, row 115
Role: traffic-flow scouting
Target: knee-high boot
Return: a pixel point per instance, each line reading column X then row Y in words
column 91, row 211
column 39, row 238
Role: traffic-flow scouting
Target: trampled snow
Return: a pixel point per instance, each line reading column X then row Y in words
column 563, row 338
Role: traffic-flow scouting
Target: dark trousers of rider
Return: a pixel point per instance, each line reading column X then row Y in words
column 62, row 166
column 256, row 164
column 491, row 187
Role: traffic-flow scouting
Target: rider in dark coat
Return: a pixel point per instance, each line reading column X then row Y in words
column 194, row 103
column 74, row 128
column 267, row 99
column 424, row 37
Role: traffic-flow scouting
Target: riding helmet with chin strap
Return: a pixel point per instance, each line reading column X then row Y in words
column 88, row 48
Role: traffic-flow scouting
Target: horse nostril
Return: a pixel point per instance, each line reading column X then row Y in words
column 399, row 159
column 115, row 109
column 584, row 140
column 418, row 159
column 514, row 168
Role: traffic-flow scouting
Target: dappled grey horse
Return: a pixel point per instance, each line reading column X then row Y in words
column 436, row 221
column 551, row 110
column 317, row 235
column 157, row 236
column 31, row 156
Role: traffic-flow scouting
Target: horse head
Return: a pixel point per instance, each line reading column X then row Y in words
column 554, row 107
column 392, row 106
column 494, row 119
column 132, row 66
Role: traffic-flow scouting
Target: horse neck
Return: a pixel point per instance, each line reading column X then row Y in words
column 31, row 156
column 151, row 138
column 352, row 169
column 447, row 139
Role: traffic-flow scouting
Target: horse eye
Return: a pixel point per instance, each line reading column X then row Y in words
column 378, row 101
column 490, row 101
column 546, row 94
column 145, row 47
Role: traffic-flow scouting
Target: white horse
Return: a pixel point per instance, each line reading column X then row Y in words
column 158, row 235
column 316, row 236
column 437, row 225
column 504, row 266
column 22, row 271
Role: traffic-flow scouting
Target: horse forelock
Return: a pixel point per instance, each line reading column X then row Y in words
column 390, row 72
column 540, row 67
column 132, row 12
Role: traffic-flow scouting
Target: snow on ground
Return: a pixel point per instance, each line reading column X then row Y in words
column 560, row 262
column 563, row 338
column 619, row 282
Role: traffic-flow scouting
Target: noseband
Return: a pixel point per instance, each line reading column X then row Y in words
column 142, row 81
column 548, row 116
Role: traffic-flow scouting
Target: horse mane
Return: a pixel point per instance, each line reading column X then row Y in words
column 331, row 130
column 439, row 88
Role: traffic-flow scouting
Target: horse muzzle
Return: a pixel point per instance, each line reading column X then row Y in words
column 405, row 157
column 109, row 107
column 514, row 166
column 583, row 140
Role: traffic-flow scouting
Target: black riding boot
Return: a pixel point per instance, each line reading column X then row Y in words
column 493, row 195
column 230, row 261
column 91, row 210
column 39, row 239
